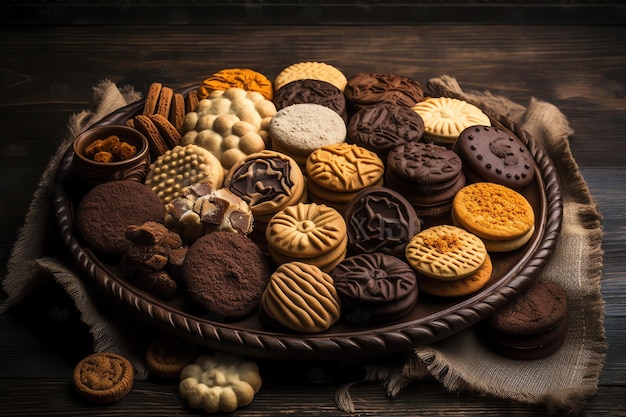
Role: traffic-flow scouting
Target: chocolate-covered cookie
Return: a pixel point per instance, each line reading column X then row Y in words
column 375, row 288
column 381, row 220
column 312, row 91
column 494, row 155
column 366, row 89
column 532, row 326
column 382, row 127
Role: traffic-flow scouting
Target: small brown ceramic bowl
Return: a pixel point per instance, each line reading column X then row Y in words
column 133, row 168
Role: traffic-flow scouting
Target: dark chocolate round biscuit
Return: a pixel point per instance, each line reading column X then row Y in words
column 366, row 89
column 226, row 273
column 423, row 163
column 105, row 212
column 375, row 287
column 312, row 91
column 539, row 309
column 495, row 155
column 382, row 127
column 423, row 196
column 379, row 219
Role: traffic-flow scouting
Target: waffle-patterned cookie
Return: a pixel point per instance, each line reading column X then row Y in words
column 445, row 118
column 311, row 70
column 301, row 297
column 446, row 252
column 180, row 167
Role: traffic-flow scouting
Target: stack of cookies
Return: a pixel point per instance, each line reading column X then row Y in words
column 449, row 261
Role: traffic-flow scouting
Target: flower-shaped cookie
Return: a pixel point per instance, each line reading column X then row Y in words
column 221, row 382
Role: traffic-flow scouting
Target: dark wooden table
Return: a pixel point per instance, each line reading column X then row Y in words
column 47, row 73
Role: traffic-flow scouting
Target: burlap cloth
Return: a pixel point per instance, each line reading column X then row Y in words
column 564, row 380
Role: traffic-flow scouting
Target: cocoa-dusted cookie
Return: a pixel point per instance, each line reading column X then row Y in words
column 312, row 91
column 375, row 287
column 532, row 326
column 379, row 219
column 382, row 127
column 494, row 155
column 103, row 377
column 366, row 89
column 106, row 211
column 226, row 273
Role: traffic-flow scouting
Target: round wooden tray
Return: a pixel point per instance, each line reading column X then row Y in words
column 431, row 320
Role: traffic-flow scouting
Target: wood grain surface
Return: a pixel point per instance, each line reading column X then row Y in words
column 47, row 73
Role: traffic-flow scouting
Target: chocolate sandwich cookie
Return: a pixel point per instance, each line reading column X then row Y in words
column 532, row 326
column 428, row 175
column 375, row 288
column 382, row 127
column 494, row 155
column 226, row 273
column 379, row 219
column 312, row 91
column 366, row 89
column 106, row 211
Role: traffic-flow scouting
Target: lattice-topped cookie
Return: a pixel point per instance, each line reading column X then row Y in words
column 446, row 252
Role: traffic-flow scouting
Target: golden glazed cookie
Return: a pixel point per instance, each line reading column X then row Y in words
column 243, row 78
column 180, row 167
column 493, row 211
column 311, row 70
column 103, row 377
column 445, row 118
column 446, row 252
column 457, row 288
column 302, row 298
column 309, row 232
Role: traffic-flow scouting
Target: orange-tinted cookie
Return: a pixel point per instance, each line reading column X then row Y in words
column 243, row 78
column 457, row 288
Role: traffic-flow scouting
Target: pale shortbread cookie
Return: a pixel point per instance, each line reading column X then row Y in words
column 230, row 124
column 300, row 129
column 457, row 288
column 307, row 232
column 311, row 70
column 445, row 118
column 180, row 167
column 493, row 211
column 301, row 297
column 446, row 252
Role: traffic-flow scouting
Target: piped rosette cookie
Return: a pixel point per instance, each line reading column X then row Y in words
column 307, row 232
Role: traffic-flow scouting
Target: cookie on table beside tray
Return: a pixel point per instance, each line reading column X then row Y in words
column 300, row 297
column 310, row 70
column 336, row 173
column 381, row 127
column 379, row 219
column 375, row 288
column 244, row 78
column 103, row 377
column 445, row 118
column 299, row 129
column 532, row 326
column 225, row 274
column 500, row 216
column 312, row 91
column 494, row 155
column 166, row 357
column 307, row 232
column 366, row 89
column 446, row 252
column 428, row 175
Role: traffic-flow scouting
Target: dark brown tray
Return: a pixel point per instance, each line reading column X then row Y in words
column 431, row 320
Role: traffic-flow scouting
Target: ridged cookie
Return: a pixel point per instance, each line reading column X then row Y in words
column 311, row 70
column 446, row 252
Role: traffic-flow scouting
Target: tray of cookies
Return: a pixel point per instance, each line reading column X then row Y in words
column 315, row 216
